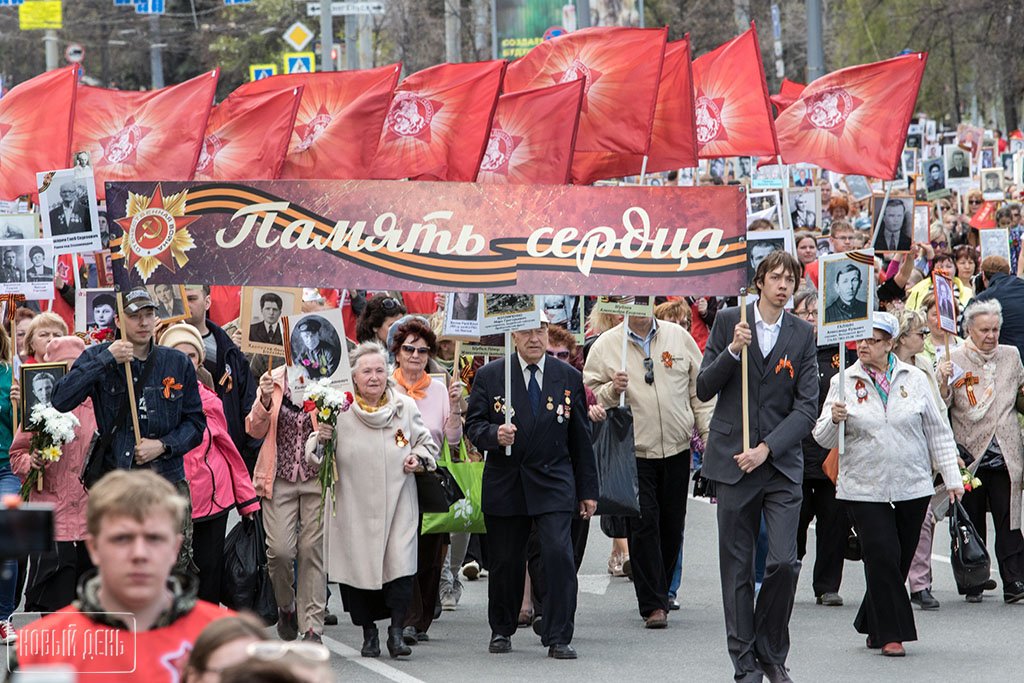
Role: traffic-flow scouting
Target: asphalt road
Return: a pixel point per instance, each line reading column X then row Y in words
column 960, row 641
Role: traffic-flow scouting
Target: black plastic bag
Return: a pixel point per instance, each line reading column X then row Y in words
column 969, row 557
column 245, row 579
column 618, row 492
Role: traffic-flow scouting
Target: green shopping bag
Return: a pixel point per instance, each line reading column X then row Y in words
column 464, row 516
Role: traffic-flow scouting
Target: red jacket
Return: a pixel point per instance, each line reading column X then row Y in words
column 216, row 473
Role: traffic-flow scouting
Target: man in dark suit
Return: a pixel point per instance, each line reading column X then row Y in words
column 894, row 235
column 764, row 478
column 70, row 216
column 549, row 477
column 958, row 168
column 268, row 331
column 935, row 180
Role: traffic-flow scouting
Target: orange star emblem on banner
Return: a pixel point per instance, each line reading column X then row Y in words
column 154, row 232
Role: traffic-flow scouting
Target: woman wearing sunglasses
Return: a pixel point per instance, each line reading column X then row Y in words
column 381, row 311
column 413, row 344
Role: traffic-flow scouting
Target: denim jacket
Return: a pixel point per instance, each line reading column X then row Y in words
column 169, row 405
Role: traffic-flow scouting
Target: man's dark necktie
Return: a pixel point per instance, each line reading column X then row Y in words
column 533, row 389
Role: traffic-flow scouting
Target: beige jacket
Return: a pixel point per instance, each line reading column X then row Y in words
column 665, row 411
column 370, row 535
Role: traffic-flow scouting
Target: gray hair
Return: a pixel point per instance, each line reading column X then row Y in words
column 909, row 320
column 987, row 307
column 809, row 295
column 367, row 348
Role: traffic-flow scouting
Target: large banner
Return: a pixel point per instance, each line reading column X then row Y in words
column 533, row 239
column 522, row 24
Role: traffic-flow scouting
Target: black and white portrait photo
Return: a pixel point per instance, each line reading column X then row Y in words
column 845, row 284
column 858, row 186
column 766, row 206
column 27, row 267
column 804, row 208
column 262, row 312
column 922, row 222
column 759, row 248
column 18, row 226
column 69, row 210
column 988, row 157
column 40, row 265
column 895, row 233
column 934, row 174
column 171, row 302
column 94, row 314
column 505, row 304
column 992, row 184
column 994, row 242
column 945, row 302
column 316, row 350
column 958, row 163
column 465, row 306
column 12, row 264
column 37, row 383
column 561, row 310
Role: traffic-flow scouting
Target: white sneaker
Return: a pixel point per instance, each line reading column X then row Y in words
column 471, row 570
column 7, row 633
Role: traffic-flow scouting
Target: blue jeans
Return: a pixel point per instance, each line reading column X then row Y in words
column 9, row 483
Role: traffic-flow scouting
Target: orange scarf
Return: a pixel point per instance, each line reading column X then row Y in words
column 415, row 390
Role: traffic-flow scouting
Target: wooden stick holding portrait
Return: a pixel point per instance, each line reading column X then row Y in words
column 508, row 385
column 744, row 386
column 132, row 405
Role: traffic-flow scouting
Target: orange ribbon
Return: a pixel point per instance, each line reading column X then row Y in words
column 170, row 383
column 667, row 359
column 784, row 364
column 968, row 381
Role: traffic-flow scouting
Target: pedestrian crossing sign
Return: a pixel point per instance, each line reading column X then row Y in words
column 258, row 72
column 299, row 62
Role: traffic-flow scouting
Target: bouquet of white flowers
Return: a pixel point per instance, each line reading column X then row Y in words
column 327, row 402
column 51, row 431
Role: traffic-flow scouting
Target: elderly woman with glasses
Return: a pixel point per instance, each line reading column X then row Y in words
column 413, row 343
column 985, row 390
column 895, row 437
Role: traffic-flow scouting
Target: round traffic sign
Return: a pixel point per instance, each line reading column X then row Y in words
column 74, row 53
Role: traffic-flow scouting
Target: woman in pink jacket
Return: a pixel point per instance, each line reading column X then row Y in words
column 216, row 473
column 53, row 576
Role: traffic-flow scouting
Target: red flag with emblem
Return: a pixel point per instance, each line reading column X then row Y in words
column 338, row 122
column 438, row 123
column 731, row 105
column 854, row 120
column 622, row 68
column 532, row 136
column 35, row 129
column 155, row 135
column 247, row 136
column 789, row 92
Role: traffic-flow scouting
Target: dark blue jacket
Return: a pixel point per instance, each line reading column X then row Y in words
column 1008, row 290
column 172, row 415
column 235, row 385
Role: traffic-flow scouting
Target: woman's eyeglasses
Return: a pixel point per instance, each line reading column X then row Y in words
column 560, row 355
column 648, row 370
column 413, row 350
column 390, row 304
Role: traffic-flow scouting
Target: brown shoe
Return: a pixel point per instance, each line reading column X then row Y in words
column 893, row 650
column 656, row 619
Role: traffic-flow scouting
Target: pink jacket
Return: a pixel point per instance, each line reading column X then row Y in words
column 262, row 424
column 61, row 485
column 216, row 473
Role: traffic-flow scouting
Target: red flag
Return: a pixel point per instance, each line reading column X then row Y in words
column 438, row 123
column 985, row 217
column 789, row 92
column 35, row 129
column 673, row 135
column 733, row 113
column 155, row 135
column 622, row 68
column 854, row 120
column 338, row 122
column 247, row 136
column 532, row 136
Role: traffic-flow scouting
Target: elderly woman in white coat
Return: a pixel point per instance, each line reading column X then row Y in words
column 371, row 533
column 895, row 437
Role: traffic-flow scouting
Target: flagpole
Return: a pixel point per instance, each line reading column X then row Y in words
column 744, row 386
column 508, row 385
column 842, row 395
column 625, row 347
column 643, row 170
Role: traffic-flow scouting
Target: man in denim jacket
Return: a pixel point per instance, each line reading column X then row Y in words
column 171, row 419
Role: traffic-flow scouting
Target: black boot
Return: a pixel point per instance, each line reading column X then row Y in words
column 371, row 642
column 396, row 644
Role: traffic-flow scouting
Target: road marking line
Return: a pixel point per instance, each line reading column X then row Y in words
column 374, row 665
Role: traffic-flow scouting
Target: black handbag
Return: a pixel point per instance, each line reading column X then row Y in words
column 618, row 492
column 437, row 491
column 968, row 554
column 245, row 577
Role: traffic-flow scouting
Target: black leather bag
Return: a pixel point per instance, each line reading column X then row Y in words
column 437, row 491
column 245, row 577
column 972, row 565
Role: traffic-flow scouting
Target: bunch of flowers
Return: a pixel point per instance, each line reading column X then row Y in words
column 51, row 431
column 327, row 403
column 971, row 482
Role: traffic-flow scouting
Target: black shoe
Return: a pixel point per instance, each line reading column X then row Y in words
column 499, row 645
column 925, row 599
column 422, row 637
column 560, row 651
column 396, row 644
column 538, row 626
column 673, row 604
column 776, row 673
column 990, row 585
column 371, row 642
column 409, row 635
column 830, row 599
column 330, row 619
column 973, row 598
column 287, row 624
column 1013, row 592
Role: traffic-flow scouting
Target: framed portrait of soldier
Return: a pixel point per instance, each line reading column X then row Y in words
column 922, row 222
column 315, row 349
column 992, row 184
column 934, row 172
column 1006, row 161
column 95, row 310
column 171, row 302
column 892, row 219
column 958, row 165
column 994, row 242
column 763, row 242
column 847, row 283
column 988, row 157
column 909, row 159
column 462, row 316
column 765, row 206
column 262, row 312
column 945, row 301
column 508, row 313
column 858, row 187
column 27, row 268
column 37, row 383
column 803, row 209
column 70, row 213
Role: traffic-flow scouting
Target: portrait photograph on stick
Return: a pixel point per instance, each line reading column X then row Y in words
column 462, row 316
column 262, row 309
column 945, row 301
column 992, row 185
column 94, row 315
column 509, row 312
column 847, row 296
column 958, row 166
column 763, row 242
column 18, row 226
column 37, row 383
column 803, row 208
column 935, row 177
column 316, row 350
column 922, row 221
column 27, row 268
column 766, row 206
column 171, row 302
column 994, row 242
column 895, row 233
column 69, row 210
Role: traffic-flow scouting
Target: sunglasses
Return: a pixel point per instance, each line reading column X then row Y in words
column 974, row 201
column 413, row 350
column 390, row 304
column 560, row 355
column 648, row 370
